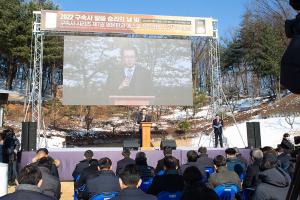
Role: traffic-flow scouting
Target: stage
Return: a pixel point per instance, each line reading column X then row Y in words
column 69, row 157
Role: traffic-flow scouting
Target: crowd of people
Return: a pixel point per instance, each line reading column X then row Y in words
column 266, row 176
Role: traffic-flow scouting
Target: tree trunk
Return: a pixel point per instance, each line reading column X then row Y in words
column 11, row 73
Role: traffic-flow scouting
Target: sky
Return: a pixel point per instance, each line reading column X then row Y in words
column 228, row 12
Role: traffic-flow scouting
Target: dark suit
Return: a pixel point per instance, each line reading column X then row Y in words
column 140, row 84
column 80, row 167
column 106, row 181
column 286, row 144
column 171, row 182
column 205, row 161
column 218, row 130
column 160, row 165
column 251, row 177
column 51, row 184
column 133, row 194
column 121, row 164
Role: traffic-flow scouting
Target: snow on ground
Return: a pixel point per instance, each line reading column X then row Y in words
column 271, row 130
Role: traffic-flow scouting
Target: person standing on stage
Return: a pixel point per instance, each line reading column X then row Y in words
column 142, row 117
column 218, row 130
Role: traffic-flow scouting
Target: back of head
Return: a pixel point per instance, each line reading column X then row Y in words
column 231, row 152
column 130, row 176
column 267, row 149
column 42, row 150
column 220, row 161
column 257, row 154
column 167, row 151
column 93, row 163
column 140, row 158
column 45, row 162
column 30, row 174
column 170, row 162
column 192, row 156
column 280, row 149
column 192, row 175
column 202, row 150
column 105, row 163
column 126, row 152
column 88, row 154
column 269, row 161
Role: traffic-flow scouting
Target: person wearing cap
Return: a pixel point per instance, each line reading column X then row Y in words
column 274, row 181
column 286, row 143
column 121, row 164
column 88, row 155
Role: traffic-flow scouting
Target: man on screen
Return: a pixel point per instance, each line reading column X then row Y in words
column 130, row 79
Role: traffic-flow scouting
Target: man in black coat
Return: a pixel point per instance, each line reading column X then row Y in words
column 203, row 159
column 105, row 181
column 251, row 177
column 218, row 130
column 286, row 143
column 88, row 155
column 29, row 182
column 129, row 183
column 130, row 79
column 194, row 189
column 121, row 164
column 192, row 158
column 51, row 184
column 170, row 181
column 160, row 164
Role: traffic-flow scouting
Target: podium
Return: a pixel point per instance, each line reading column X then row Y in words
column 146, row 135
column 131, row 100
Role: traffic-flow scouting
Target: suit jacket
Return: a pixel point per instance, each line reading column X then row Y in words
column 106, row 181
column 27, row 192
column 251, row 177
column 140, row 84
column 171, row 181
column 80, row 167
column 222, row 176
column 160, row 165
column 51, row 184
column 205, row 161
column 133, row 194
column 121, row 164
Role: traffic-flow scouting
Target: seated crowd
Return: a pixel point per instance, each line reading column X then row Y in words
column 267, row 176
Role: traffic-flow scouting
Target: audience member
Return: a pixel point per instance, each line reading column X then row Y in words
column 43, row 152
column 192, row 158
column 233, row 163
column 106, row 180
column 129, row 183
column 285, row 160
column 121, row 164
column 267, row 149
column 203, row 159
column 286, row 143
column 240, row 156
column 145, row 171
column 274, row 181
column 88, row 155
column 251, row 177
column 11, row 147
column 29, row 182
column 160, row 164
column 222, row 174
column 194, row 188
column 90, row 172
column 170, row 181
column 51, row 184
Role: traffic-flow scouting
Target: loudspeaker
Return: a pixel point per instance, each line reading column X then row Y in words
column 29, row 134
column 253, row 134
column 168, row 143
column 3, row 98
column 131, row 144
